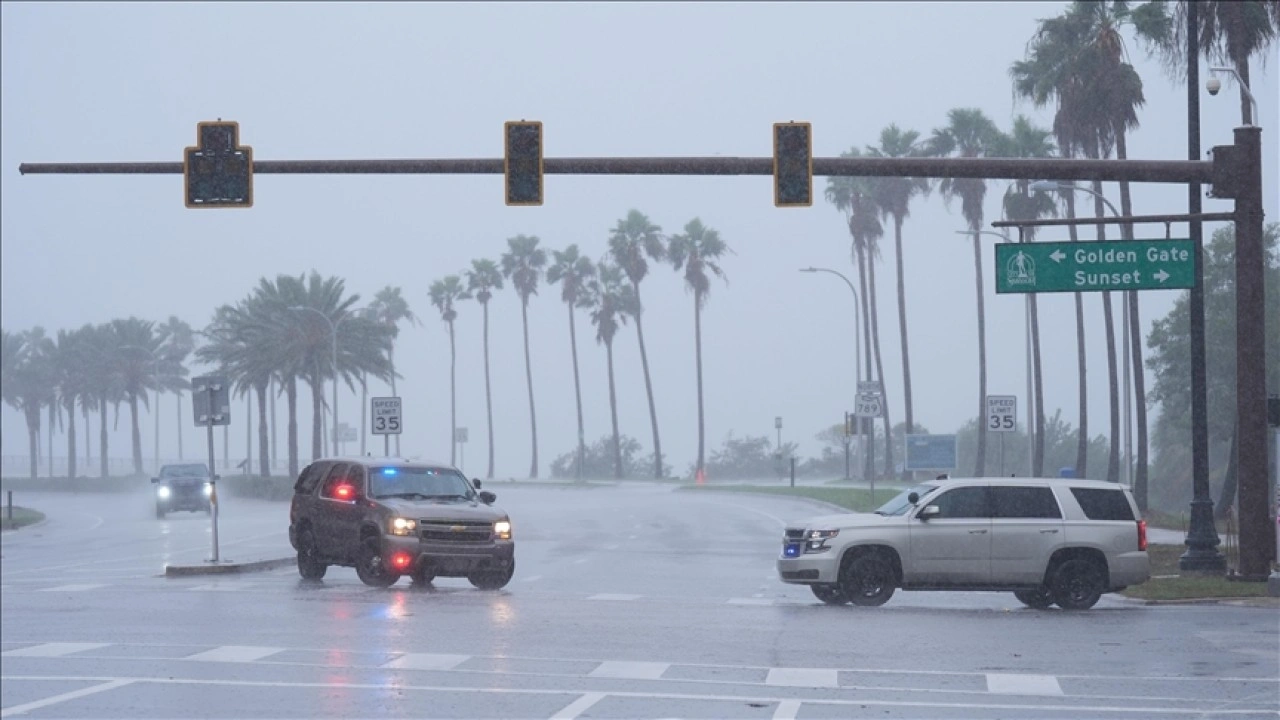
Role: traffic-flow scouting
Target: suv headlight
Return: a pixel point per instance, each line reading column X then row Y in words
column 818, row 540
column 502, row 529
column 162, row 492
column 208, row 489
column 403, row 526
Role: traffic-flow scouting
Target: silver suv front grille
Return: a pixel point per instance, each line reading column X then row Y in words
column 455, row 530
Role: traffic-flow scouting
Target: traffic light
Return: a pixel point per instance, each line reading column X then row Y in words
column 522, row 162
column 792, row 164
column 218, row 171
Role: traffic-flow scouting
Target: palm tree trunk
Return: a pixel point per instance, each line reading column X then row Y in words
column 179, row 424
column 1037, row 453
column 648, row 387
column 488, row 393
column 71, row 439
column 884, row 405
column 275, row 456
column 137, row 434
column 364, row 411
column 33, row 437
column 453, row 400
column 902, row 333
column 577, row 392
column 317, row 409
column 697, row 345
column 291, row 435
column 1139, row 479
column 391, row 358
column 53, row 416
column 528, row 376
column 264, row 458
column 613, row 414
column 1082, row 387
column 88, row 436
column 980, row 466
column 1108, row 321
column 102, row 436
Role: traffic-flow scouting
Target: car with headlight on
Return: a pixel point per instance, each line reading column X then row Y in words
column 1047, row 540
column 183, row 487
column 389, row 517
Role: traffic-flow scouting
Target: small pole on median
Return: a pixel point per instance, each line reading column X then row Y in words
column 793, row 471
column 9, row 505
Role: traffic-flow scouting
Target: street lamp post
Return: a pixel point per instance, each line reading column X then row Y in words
column 1031, row 400
column 857, row 342
column 1047, row 186
column 155, row 379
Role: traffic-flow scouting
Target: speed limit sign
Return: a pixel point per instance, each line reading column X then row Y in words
column 386, row 415
column 1002, row 413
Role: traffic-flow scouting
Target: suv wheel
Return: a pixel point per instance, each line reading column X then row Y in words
column 830, row 594
column 1040, row 598
column 1077, row 584
column 309, row 565
column 369, row 565
column 493, row 579
column 868, row 580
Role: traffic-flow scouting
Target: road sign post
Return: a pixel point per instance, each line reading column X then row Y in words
column 385, row 416
column 1002, row 417
column 1091, row 267
column 211, row 403
column 460, row 437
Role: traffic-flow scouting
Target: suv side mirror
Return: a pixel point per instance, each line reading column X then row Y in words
column 476, row 482
column 913, row 498
column 488, row 498
column 929, row 511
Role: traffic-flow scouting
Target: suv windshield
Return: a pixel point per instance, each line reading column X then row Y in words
column 184, row 471
column 900, row 504
column 418, row 482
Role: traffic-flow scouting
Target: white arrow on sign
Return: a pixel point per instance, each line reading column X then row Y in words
column 1161, row 275
column 1057, row 256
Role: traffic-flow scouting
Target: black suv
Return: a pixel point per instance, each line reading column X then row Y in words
column 183, row 487
column 390, row 517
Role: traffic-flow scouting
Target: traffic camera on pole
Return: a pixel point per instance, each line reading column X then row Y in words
column 218, row 171
column 522, row 162
column 792, row 164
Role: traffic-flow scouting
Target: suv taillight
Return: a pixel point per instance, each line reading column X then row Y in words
column 1142, row 534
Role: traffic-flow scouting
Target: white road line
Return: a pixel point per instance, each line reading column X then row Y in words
column 749, row 601
column 78, row 587
column 1023, row 684
column 614, row 596
column 802, row 677
column 235, row 653
column 28, row 707
column 1177, row 706
column 216, row 587
column 54, row 649
column 426, row 661
column 787, row 710
column 579, row 706
column 629, row 670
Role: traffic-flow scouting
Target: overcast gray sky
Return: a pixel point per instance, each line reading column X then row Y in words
column 128, row 82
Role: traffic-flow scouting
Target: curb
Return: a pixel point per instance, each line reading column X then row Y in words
column 1236, row 601
column 227, row 568
column 20, row 528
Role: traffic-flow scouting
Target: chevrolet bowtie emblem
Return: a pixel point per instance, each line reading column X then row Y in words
column 458, row 528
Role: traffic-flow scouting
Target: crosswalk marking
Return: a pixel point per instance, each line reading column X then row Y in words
column 630, row 670
column 426, row 661
column 75, row 587
column 579, row 706
column 235, row 653
column 614, row 596
column 1023, row 684
column 802, row 677
column 787, row 710
column 55, row 649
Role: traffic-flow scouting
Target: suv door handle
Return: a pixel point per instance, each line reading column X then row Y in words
column 1054, row 530
column 977, row 532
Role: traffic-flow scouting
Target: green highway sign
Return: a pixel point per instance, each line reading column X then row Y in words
column 1094, row 266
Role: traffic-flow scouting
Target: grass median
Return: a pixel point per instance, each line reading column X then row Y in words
column 855, row 499
column 21, row 517
column 1167, row 583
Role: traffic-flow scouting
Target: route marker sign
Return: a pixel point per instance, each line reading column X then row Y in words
column 385, row 412
column 1095, row 266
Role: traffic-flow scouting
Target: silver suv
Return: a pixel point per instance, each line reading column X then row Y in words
column 1048, row 541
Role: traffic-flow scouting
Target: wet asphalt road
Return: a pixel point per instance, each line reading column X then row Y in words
column 628, row 602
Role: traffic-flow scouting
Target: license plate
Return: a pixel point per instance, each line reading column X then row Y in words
column 791, row 550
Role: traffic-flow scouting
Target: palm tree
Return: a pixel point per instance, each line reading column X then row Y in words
column 272, row 301
column 522, row 265
column 179, row 342
column 236, row 337
column 444, row 293
column 970, row 133
column 138, row 345
column 893, row 195
column 482, row 279
column 103, row 378
column 855, row 197
column 634, row 241
column 68, row 361
column 574, row 273
column 698, row 251
column 29, row 383
column 389, row 307
column 615, row 300
column 1028, row 141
